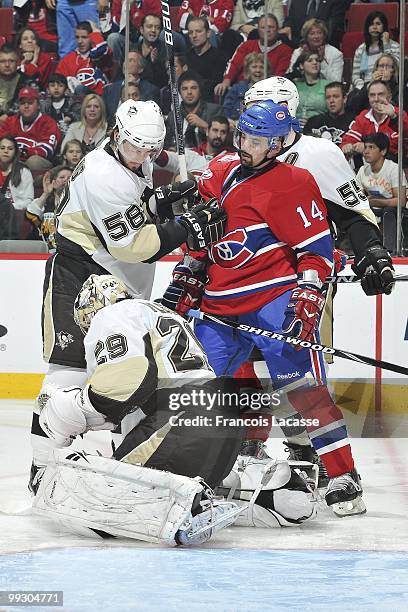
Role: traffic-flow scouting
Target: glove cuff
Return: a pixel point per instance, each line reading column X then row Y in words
column 310, row 279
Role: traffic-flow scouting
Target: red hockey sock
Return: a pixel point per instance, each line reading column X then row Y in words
column 247, row 372
column 328, row 434
column 259, row 425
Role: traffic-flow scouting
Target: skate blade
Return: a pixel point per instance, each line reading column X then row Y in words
column 349, row 508
column 224, row 520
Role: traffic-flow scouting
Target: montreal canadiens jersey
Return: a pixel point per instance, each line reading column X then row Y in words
column 101, row 212
column 134, row 347
column 276, row 228
column 332, row 173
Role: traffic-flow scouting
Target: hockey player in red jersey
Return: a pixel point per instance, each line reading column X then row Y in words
column 268, row 271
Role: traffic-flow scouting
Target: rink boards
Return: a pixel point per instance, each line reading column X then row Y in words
column 375, row 326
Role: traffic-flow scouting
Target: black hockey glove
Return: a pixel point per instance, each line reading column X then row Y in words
column 375, row 270
column 181, row 196
column 205, row 223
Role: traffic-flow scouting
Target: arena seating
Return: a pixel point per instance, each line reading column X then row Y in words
column 6, row 23
column 357, row 13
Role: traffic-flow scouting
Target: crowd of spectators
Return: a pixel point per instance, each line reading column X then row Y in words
column 62, row 77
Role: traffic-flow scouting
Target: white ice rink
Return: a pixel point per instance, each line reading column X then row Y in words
column 350, row 564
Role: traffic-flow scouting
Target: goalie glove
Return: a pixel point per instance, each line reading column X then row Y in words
column 375, row 270
column 205, row 223
column 186, row 289
column 67, row 413
column 302, row 314
column 160, row 201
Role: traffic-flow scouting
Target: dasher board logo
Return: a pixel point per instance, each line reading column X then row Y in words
column 3, row 331
column 63, row 339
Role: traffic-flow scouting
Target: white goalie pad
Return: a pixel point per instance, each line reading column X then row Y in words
column 87, row 492
column 286, row 507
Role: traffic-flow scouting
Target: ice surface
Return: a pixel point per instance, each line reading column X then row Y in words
column 354, row 563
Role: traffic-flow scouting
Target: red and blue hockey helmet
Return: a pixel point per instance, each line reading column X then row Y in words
column 265, row 119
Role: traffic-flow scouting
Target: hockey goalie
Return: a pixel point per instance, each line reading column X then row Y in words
column 158, row 486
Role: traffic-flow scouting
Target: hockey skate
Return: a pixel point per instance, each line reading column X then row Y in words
column 344, row 495
column 199, row 529
column 307, row 460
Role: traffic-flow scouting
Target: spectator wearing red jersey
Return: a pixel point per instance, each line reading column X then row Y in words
column 37, row 135
column 217, row 12
column 279, row 54
column 85, row 67
column 137, row 11
column 382, row 116
column 35, row 64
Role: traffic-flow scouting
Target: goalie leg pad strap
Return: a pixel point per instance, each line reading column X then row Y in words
column 283, row 499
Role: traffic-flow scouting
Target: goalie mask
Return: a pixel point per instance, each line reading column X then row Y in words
column 96, row 293
column 139, row 131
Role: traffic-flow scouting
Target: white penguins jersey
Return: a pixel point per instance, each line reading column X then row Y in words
column 101, row 211
column 134, row 347
column 332, row 173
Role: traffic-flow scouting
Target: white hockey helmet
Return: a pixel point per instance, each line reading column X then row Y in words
column 97, row 292
column 277, row 89
column 140, row 129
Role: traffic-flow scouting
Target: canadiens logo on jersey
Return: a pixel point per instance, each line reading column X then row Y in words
column 233, row 251
column 91, row 77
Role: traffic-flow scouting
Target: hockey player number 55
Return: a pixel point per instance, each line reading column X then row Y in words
column 351, row 193
column 315, row 213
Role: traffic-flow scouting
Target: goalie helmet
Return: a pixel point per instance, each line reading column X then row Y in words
column 139, row 126
column 96, row 293
column 276, row 89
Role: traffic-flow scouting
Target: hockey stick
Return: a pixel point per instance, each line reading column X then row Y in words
column 317, row 348
column 178, row 121
column 351, row 278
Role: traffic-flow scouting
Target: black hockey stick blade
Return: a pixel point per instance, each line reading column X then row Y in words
column 317, row 348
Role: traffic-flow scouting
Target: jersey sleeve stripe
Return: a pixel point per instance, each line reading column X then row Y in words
column 311, row 239
column 276, row 282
